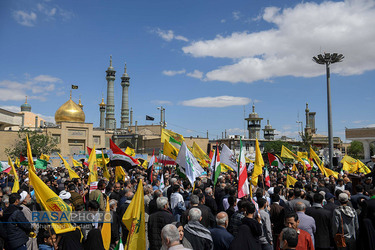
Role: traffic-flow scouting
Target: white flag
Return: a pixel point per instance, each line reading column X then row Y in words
column 161, row 187
column 186, row 160
column 228, row 158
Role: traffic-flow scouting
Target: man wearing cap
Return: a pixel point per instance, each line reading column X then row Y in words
column 26, row 201
column 331, row 206
column 345, row 219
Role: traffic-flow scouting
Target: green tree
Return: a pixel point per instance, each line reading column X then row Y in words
column 355, row 149
column 40, row 144
column 275, row 147
column 306, row 141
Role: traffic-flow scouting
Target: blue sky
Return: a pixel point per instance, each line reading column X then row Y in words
column 204, row 61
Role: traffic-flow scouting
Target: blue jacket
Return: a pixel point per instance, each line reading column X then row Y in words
column 221, row 238
column 45, row 247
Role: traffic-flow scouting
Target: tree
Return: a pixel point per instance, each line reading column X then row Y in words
column 306, row 141
column 275, row 147
column 355, row 149
column 40, row 144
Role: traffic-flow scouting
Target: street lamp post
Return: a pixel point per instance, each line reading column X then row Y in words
column 329, row 59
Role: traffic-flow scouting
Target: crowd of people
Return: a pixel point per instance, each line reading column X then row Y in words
column 311, row 214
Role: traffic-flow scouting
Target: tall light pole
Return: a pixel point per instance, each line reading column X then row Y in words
column 329, row 59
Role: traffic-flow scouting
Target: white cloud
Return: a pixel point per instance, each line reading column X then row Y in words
column 196, row 74
column 35, row 88
column 47, row 118
column 298, row 33
column 370, row 126
column 24, row 18
column 168, row 35
column 161, row 102
column 14, row 109
column 223, row 20
column 50, row 12
column 173, row 72
column 236, row 15
column 287, row 133
column 216, row 102
column 46, row 78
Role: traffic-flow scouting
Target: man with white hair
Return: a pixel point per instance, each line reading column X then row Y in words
column 220, row 236
column 306, row 222
column 196, row 233
column 171, row 238
column 157, row 221
column 26, row 201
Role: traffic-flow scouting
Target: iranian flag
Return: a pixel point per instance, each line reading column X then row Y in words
column 5, row 167
column 243, row 184
column 118, row 154
column 275, row 161
column 267, row 180
column 307, row 164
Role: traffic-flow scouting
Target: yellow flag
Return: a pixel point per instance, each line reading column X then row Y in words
column 258, row 165
column 105, row 169
column 51, row 202
column 200, row 155
column 165, row 134
column 30, row 155
column 286, row 153
column 17, row 162
column 76, row 163
column 106, row 229
column 134, row 220
column 225, row 168
column 318, row 162
column 44, row 157
column 170, row 150
column 248, row 160
column 294, row 168
column 290, row 181
column 330, row 172
column 354, row 165
column 145, row 164
column 120, row 174
column 16, row 184
column 72, row 174
column 303, row 155
column 130, row 151
column 93, row 176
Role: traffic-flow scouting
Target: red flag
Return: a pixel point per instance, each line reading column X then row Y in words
column 22, row 158
column 267, row 180
column 119, row 154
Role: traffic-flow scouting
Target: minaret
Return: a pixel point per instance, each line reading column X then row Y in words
column 26, row 107
column 102, row 111
column 268, row 132
column 110, row 121
column 307, row 113
column 125, row 100
column 253, row 124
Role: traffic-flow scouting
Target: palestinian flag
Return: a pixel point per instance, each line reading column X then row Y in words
column 118, row 154
column 275, row 161
column 5, row 167
column 267, row 180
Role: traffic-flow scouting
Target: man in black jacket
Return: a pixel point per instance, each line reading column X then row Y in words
column 17, row 226
column 157, row 221
column 323, row 220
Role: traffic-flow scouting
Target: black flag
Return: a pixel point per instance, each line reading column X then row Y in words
column 149, row 118
column 74, row 86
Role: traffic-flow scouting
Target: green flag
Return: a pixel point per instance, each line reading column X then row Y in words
column 42, row 164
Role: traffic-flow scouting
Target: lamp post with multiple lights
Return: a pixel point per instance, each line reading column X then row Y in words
column 329, row 59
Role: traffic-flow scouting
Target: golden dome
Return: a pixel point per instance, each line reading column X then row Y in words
column 102, row 104
column 69, row 112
